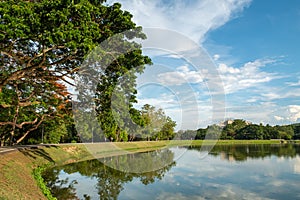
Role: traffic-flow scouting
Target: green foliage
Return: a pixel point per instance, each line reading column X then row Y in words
column 296, row 128
column 158, row 126
column 37, row 174
column 242, row 130
column 201, row 132
column 42, row 44
column 167, row 130
column 116, row 95
column 190, row 134
column 230, row 130
column 250, row 132
column 285, row 132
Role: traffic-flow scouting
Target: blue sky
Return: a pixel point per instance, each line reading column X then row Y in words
column 254, row 46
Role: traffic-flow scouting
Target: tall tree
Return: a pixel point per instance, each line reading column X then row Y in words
column 158, row 126
column 116, row 94
column 42, row 44
column 230, row 130
column 167, row 131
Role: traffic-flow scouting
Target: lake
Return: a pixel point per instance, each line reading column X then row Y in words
column 225, row 172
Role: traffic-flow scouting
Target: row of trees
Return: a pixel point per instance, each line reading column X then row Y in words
column 44, row 45
column 242, row 130
column 148, row 124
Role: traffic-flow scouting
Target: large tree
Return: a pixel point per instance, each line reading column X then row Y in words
column 158, row 126
column 230, row 130
column 42, row 45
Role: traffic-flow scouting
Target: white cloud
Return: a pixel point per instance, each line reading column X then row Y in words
column 259, row 112
column 294, row 111
column 158, row 102
column 293, row 83
column 252, row 100
column 191, row 18
column 273, row 113
column 216, row 57
column 249, row 75
column 278, row 118
column 181, row 76
column 279, row 93
column 223, row 68
column 271, row 95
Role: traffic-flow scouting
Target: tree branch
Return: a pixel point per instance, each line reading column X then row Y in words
column 18, row 125
column 30, row 130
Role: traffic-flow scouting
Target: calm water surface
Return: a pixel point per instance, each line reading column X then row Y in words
column 227, row 172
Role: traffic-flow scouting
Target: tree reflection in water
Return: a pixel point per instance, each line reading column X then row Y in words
column 111, row 173
column 146, row 168
column 253, row 151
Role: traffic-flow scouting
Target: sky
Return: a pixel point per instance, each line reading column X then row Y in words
column 252, row 45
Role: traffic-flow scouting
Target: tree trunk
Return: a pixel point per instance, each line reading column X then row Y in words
column 2, row 141
column 12, row 133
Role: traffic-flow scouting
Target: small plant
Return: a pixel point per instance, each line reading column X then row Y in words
column 37, row 173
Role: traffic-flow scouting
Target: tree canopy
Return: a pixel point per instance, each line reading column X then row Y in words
column 242, row 130
column 43, row 43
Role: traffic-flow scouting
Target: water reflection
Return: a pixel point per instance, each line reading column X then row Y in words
column 228, row 172
column 140, row 162
column 254, row 151
column 149, row 166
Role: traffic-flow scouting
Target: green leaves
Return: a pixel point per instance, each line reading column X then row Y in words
column 42, row 42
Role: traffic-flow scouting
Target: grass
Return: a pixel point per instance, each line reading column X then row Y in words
column 16, row 168
column 116, row 148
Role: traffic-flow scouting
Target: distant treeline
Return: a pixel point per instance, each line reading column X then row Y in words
column 242, row 130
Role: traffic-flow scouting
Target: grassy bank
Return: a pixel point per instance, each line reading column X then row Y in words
column 16, row 167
